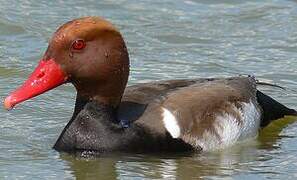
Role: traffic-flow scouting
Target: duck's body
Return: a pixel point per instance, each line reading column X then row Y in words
column 176, row 115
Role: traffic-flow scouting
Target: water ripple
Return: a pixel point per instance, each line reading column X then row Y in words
column 166, row 39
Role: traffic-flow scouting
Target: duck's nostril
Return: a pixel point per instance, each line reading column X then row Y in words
column 41, row 74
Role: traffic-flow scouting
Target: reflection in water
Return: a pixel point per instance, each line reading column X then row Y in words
column 246, row 156
column 272, row 133
column 166, row 39
column 168, row 166
column 101, row 168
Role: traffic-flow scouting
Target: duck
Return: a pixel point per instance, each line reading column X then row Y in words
column 180, row 115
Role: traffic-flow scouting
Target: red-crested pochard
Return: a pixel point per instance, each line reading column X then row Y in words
column 173, row 115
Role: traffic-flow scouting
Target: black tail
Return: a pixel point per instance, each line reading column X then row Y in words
column 272, row 109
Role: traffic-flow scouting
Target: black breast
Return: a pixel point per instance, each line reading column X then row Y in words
column 95, row 129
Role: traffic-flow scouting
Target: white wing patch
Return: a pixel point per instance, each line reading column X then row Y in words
column 251, row 120
column 229, row 130
column 171, row 123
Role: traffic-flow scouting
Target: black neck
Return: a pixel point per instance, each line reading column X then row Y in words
column 80, row 102
column 89, row 119
column 107, row 111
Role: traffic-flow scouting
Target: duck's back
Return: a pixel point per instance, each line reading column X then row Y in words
column 206, row 113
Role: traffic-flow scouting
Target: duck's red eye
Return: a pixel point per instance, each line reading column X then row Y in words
column 79, row 44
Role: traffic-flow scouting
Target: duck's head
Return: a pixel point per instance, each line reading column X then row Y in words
column 88, row 52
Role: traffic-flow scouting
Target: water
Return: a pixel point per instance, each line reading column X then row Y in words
column 166, row 39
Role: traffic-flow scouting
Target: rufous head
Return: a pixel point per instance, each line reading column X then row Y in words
column 90, row 53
